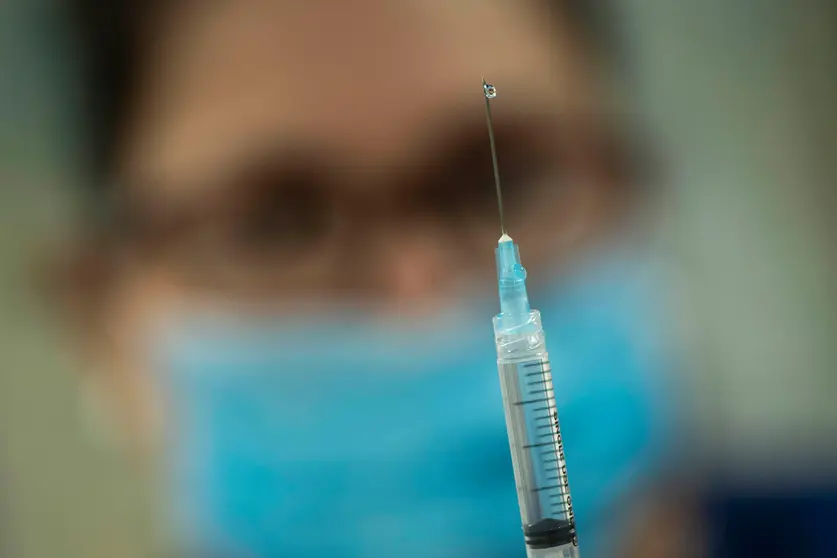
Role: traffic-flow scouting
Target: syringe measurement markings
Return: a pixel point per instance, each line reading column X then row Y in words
column 560, row 510
column 538, row 363
column 539, row 445
column 542, row 409
column 555, row 494
column 529, row 401
column 541, row 387
column 546, row 428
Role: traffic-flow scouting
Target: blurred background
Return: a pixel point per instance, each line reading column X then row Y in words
column 741, row 102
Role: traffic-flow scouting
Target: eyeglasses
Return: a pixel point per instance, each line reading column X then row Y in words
column 297, row 222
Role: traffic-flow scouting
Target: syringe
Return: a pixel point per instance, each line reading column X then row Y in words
column 540, row 470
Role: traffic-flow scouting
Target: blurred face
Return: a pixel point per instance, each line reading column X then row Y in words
column 294, row 155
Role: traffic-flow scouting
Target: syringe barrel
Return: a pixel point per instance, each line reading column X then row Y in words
column 564, row 551
column 535, row 436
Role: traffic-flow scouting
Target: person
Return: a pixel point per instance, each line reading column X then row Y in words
column 285, row 281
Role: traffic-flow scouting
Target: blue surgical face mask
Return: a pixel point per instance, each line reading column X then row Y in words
column 353, row 438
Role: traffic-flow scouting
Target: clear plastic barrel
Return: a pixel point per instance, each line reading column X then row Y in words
column 535, row 438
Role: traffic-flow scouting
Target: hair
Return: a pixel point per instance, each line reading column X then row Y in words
column 109, row 36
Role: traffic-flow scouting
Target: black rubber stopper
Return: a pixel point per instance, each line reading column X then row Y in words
column 549, row 532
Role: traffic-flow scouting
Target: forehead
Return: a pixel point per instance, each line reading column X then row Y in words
column 370, row 80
